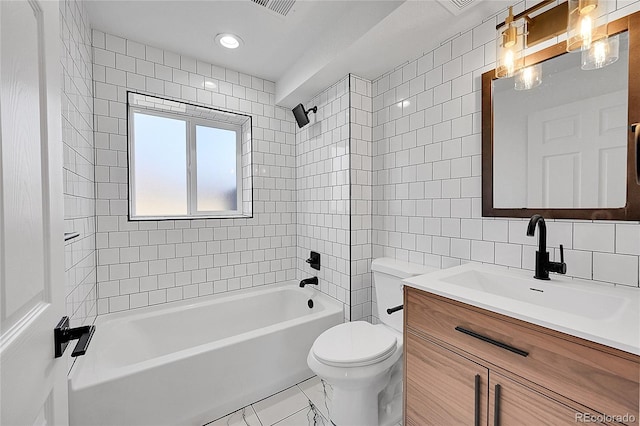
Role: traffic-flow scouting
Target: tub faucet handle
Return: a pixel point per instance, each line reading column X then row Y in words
column 314, row 260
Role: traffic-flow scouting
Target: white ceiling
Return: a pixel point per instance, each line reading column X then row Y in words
column 317, row 43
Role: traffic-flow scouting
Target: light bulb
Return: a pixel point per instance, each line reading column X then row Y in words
column 599, row 53
column 586, row 25
column 528, row 77
column 509, row 62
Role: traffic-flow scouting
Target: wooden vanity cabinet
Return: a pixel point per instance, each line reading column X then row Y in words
column 456, row 392
column 466, row 365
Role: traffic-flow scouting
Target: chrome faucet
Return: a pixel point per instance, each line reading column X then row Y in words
column 543, row 265
column 307, row 281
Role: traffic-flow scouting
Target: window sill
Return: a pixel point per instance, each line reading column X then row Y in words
column 161, row 218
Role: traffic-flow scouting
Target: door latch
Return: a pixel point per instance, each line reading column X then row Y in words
column 63, row 334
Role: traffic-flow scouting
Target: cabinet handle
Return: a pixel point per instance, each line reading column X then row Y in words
column 496, row 407
column 493, row 342
column 476, row 415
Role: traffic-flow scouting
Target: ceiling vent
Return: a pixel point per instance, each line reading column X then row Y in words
column 456, row 7
column 282, row 7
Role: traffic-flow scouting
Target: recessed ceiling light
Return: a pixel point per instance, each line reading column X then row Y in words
column 230, row 41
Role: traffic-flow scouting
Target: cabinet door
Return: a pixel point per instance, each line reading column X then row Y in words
column 511, row 403
column 442, row 387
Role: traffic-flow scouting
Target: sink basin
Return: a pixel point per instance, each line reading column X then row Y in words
column 605, row 314
column 576, row 301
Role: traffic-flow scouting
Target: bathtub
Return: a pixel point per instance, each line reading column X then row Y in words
column 190, row 362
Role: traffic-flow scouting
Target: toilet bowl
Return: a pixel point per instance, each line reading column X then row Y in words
column 363, row 362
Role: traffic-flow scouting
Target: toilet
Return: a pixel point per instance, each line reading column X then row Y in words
column 363, row 362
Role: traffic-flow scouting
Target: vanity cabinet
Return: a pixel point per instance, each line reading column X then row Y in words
column 455, row 392
column 512, row 403
column 527, row 374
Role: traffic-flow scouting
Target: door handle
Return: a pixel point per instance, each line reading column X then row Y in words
column 635, row 128
column 63, row 334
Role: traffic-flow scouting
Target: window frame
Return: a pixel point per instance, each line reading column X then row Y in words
column 191, row 166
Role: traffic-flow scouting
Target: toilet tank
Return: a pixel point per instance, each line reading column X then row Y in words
column 387, row 276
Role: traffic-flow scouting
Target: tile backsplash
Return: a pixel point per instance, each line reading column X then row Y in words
column 153, row 262
column 427, row 173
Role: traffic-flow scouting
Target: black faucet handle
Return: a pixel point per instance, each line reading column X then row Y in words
column 563, row 266
column 314, row 260
column 559, row 267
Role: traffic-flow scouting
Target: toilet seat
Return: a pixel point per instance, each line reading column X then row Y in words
column 354, row 344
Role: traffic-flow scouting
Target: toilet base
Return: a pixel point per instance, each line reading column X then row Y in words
column 390, row 399
column 357, row 407
column 379, row 403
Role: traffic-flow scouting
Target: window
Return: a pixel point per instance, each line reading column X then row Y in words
column 186, row 161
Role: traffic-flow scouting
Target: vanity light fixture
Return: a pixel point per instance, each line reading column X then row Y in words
column 601, row 53
column 230, row 41
column 583, row 22
column 509, row 47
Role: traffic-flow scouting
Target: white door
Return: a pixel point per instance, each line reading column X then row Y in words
column 577, row 154
column 33, row 386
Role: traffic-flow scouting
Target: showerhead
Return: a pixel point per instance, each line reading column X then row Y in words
column 302, row 116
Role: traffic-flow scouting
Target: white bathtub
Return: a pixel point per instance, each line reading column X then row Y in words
column 190, row 362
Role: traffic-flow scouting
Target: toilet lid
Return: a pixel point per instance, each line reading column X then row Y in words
column 354, row 344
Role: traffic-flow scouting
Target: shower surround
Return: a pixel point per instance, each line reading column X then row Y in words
column 153, row 262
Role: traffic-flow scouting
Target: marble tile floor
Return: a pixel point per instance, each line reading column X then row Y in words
column 306, row 403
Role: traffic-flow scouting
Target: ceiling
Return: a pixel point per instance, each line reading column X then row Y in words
column 317, row 43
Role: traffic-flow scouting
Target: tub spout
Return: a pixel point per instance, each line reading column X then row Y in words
column 307, row 281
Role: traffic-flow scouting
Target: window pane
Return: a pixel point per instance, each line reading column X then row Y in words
column 216, row 165
column 160, row 159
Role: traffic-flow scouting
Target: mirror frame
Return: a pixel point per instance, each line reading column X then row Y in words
column 631, row 211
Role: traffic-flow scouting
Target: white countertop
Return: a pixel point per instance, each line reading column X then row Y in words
column 605, row 314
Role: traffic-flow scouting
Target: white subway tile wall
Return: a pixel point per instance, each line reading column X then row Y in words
column 361, row 180
column 427, row 172
column 79, row 161
column 153, row 262
column 334, row 194
column 322, row 187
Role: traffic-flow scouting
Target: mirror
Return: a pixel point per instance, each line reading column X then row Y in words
column 564, row 148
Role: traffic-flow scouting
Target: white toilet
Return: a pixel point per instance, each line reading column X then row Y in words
column 363, row 362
